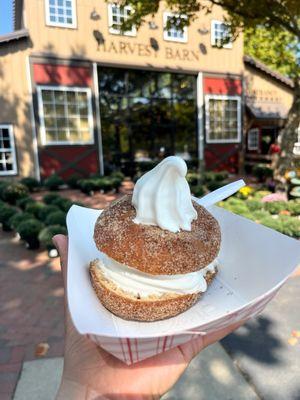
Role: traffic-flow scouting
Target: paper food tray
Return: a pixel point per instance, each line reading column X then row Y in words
column 255, row 261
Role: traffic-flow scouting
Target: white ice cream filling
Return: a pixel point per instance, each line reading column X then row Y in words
column 142, row 285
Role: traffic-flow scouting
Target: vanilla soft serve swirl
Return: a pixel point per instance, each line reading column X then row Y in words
column 141, row 284
column 162, row 197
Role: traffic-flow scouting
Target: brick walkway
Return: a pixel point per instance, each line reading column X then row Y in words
column 31, row 299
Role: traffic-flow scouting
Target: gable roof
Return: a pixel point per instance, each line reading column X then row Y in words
column 16, row 35
column 263, row 68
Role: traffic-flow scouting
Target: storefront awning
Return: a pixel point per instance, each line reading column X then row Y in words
column 266, row 110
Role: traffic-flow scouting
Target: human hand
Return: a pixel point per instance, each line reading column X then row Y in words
column 91, row 373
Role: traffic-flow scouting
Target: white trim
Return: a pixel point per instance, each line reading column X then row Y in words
column 251, row 131
column 200, row 106
column 33, row 124
column 61, row 24
column 98, row 118
column 11, row 149
column 213, row 39
column 42, row 116
column 116, row 31
column 166, row 15
column 239, row 123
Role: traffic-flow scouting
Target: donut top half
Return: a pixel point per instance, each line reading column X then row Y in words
column 151, row 249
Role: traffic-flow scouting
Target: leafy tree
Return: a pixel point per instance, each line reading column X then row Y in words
column 278, row 20
column 277, row 48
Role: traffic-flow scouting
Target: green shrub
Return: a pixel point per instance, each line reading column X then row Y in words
column 53, row 182
column 87, row 185
column 3, row 186
column 29, row 231
column 290, row 226
column 14, row 192
column 63, row 204
column 198, row 191
column 104, row 183
column 6, row 212
column 50, row 198
column 235, row 201
column 262, row 172
column 258, row 215
column 294, row 207
column 72, row 181
column 117, row 174
column 22, row 203
column 214, row 185
column 274, row 207
column 192, row 178
column 30, row 183
column 221, row 175
column 47, row 233
column 240, row 209
column 209, row 176
column 18, row 218
column 56, row 218
column 34, row 208
column 271, row 223
column 116, row 182
column 259, row 194
column 254, row 204
column 43, row 212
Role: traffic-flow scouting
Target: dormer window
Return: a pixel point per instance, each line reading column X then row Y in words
column 61, row 13
column 117, row 15
column 174, row 33
column 220, row 35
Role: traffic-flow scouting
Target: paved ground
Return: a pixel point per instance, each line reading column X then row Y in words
column 31, row 300
column 260, row 361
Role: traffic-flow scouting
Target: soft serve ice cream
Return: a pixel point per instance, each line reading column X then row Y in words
column 162, row 197
column 150, row 245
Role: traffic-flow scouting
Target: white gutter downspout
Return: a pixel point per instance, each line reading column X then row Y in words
column 200, row 107
column 33, row 124
column 98, row 120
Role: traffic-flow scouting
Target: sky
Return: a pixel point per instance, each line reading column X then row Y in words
column 5, row 16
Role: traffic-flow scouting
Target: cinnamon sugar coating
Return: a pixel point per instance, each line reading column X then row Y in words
column 152, row 308
column 151, row 249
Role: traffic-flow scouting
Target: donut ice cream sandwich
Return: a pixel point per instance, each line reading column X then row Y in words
column 158, row 248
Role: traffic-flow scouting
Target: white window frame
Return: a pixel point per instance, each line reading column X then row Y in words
column 12, row 149
column 207, row 122
column 61, row 24
column 116, row 31
column 166, row 15
column 251, row 132
column 213, row 35
column 86, row 90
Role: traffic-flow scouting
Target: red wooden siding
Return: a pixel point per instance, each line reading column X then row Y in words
column 68, row 160
column 65, row 75
column 220, row 157
column 217, row 85
column 61, row 159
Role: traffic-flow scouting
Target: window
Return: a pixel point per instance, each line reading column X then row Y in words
column 174, row 33
column 223, row 118
column 8, row 163
column 65, row 115
column 61, row 13
column 220, row 34
column 116, row 16
column 253, row 139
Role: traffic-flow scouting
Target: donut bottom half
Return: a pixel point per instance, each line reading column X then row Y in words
column 129, row 307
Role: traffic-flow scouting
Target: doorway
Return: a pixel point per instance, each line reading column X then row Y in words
column 146, row 116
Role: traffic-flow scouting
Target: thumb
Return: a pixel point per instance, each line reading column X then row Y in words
column 61, row 244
